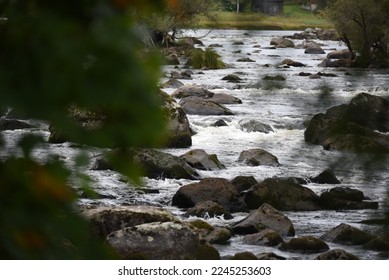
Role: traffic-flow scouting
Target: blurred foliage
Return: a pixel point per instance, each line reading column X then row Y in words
column 56, row 58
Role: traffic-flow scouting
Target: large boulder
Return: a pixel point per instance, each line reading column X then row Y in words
column 314, row 50
column 214, row 189
column 199, row 106
column 344, row 198
column 154, row 164
column 178, row 131
column 352, row 127
column 336, row 254
column 192, row 90
column 348, row 235
column 305, row 244
column 282, row 193
column 199, row 159
column 104, row 220
column 256, row 157
column 264, row 217
column 160, row 241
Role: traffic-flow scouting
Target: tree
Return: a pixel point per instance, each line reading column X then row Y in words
column 165, row 23
column 363, row 25
column 55, row 57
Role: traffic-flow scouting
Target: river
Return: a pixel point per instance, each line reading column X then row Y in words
column 286, row 106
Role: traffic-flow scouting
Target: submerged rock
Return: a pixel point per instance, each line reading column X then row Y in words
column 256, row 157
column 232, row 78
column 250, row 125
column 11, row 124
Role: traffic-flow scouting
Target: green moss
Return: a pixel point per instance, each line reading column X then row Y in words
column 200, row 224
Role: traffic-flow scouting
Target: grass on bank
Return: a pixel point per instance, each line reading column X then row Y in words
column 294, row 18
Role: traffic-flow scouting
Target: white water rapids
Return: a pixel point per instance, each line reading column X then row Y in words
column 286, row 106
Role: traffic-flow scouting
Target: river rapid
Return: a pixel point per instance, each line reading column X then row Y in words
column 285, row 105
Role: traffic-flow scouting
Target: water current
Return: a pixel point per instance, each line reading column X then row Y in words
column 285, row 105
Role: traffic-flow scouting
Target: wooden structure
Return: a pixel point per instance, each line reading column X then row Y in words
column 269, row 7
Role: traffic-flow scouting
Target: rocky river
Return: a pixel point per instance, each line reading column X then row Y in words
column 278, row 99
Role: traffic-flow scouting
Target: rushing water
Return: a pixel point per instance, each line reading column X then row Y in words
column 286, row 106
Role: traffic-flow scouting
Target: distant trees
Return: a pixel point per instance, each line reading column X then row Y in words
column 364, row 26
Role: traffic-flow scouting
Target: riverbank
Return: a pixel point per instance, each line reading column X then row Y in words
column 294, row 18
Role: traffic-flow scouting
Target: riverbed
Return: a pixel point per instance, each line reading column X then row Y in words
column 286, row 106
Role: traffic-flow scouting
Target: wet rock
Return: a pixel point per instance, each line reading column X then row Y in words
column 336, row 254
column 340, row 54
column 104, row 220
column 232, row 78
column 200, row 106
column 269, row 256
column 223, row 98
column 326, row 177
column 160, row 241
column 154, row 164
column 348, row 235
column 246, row 59
column 281, row 42
column 208, row 209
column 220, row 123
column 353, row 126
column 214, row 189
column 265, row 217
column 266, row 237
column 305, row 244
column 11, row 124
column 330, row 75
column 283, row 194
column 344, row 62
column 315, row 76
column 316, row 33
column 219, row 235
column 243, row 256
column 314, row 50
column 172, row 60
column 250, row 125
column 238, row 43
column 256, row 157
column 172, row 83
column 215, row 46
column 380, row 243
column 243, row 183
column 274, row 78
column 178, row 131
column 192, row 90
column 199, row 159
column 290, row 62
